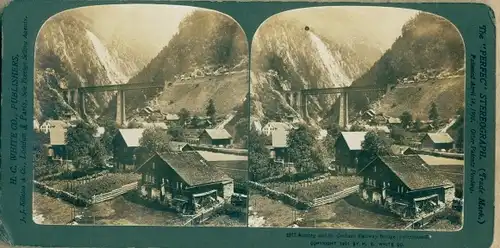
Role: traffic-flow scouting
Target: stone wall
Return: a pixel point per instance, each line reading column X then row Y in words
column 61, row 194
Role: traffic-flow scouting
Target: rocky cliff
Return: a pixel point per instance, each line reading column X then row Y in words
column 296, row 50
column 70, row 54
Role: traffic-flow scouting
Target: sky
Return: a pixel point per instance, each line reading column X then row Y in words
column 375, row 24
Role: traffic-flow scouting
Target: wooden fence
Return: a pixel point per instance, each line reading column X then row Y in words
column 459, row 156
column 334, row 197
column 241, row 152
column 203, row 216
column 114, row 193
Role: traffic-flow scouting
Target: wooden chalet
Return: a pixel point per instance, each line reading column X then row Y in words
column 176, row 146
column 125, row 144
column 235, row 166
column 437, row 141
column 184, row 181
column 280, row 145
column 406, row 185
column 347, row 149
column 215, row 137
column 57, row 149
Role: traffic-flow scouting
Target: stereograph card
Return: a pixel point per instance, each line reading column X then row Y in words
column 248, row 124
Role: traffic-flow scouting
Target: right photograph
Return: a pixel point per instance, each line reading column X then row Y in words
column 357, row 120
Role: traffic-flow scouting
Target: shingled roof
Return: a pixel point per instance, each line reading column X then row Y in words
column 193, row 169
column 414, row 172
column 440, row 138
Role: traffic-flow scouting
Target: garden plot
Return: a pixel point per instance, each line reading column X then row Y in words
column 309, row 191
column 103, row 184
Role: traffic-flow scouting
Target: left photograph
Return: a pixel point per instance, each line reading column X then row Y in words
column 141, row 117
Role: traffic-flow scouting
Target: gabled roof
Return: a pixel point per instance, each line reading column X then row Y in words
column 279, row 138
column 440, row 138
column 414, row 172
column 192, row 168
column 218, row 133
column 131, row 136
column 57, row 135
column 176, row 146
column 398, row 150
column 56, row 123
column 353, row 139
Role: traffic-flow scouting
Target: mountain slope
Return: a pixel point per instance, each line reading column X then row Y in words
column 70, row 54
column 287, row 55
column 207, row 43
column 430, row 48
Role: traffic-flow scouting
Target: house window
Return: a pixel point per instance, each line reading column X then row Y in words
column 374, row 168
column 153, row 165
column 374, row 183
column 180, row 185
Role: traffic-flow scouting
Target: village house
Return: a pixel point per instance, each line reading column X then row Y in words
column 160, row 125
column 453, row 169
column 48, row 124
column 57, row 149
column 437, row 141
column 379, row 128
column 99, row 132
column 215, row 137
column 406, row 185
column 172, row 118
column 368, row 115
column 401, row 150
column 184, row 181
column 347, row 149
column 274, row 125
column 125, row 144
column 235, row 166
column 279, row 146
column 393, row 121
column 176, row 146
column 202, row 123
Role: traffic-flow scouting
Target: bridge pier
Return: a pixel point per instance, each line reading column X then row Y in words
column 81, row 104
column 344, row 110
column 75, row 99
column 120, row 108
column 303, row 106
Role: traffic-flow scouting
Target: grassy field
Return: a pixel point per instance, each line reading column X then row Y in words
column 227, row 91
column 348, row 213
column 449, row 95
column 318, row 189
